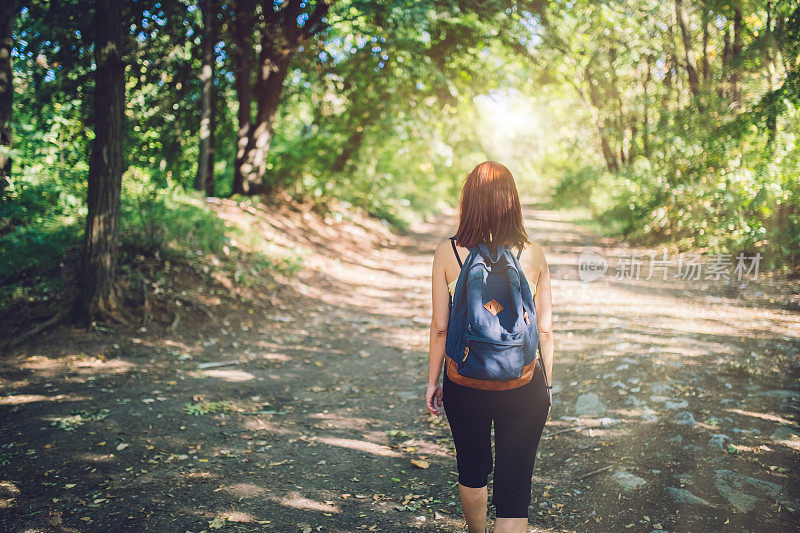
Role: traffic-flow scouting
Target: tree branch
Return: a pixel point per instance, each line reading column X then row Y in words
column 314, row 23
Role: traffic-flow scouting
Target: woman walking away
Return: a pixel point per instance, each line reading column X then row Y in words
column 492, row 330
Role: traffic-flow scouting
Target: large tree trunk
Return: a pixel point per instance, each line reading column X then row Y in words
column 691, row 66
column 8, row 13
column 98, row 294
column 281, row 38
column 269, row 85
column 243, row 65
column 204, row 180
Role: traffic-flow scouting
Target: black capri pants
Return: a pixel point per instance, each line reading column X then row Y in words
column 519, row 416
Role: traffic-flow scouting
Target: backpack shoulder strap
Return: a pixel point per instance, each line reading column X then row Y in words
column 453, row 244
column 519, row 253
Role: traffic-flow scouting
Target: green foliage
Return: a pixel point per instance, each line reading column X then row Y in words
column 370, row 112
column 717, row 171
column 391, row 105
column 577, row 187
column 166, row 222
column 398, row 434
column 44, row 223
column 6, row 458
column 373, row 114
column 40, row 229
column 205, row 408
column 734, row 194
column 290, row 264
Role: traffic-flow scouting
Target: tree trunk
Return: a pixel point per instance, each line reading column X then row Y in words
column 8, row 13
column 772, row 122
column 621, row 127
column 269, row 85
column 243, row 65
column 722, row 89
column 691, row 67
column 769, row 49
column 98, row 293
column 646, row 112
column 736, row 50
column 204, row 180
column 705, row 64
column 608, row 154
column 671, row 62
column 281, row 38
column 605, row 145
column 349, row 150
column 726, row 47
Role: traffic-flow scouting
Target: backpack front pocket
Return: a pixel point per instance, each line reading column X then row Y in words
column 491, row 359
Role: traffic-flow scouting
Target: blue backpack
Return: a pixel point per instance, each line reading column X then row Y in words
column 492, row 335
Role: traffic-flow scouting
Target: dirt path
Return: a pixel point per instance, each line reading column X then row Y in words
column 693, row 426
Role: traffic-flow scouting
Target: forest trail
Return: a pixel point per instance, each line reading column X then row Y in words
column 675, row 407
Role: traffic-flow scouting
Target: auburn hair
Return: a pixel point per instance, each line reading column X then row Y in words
column 490, row 212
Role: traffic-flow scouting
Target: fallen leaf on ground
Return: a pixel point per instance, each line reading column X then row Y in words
column 420, row 463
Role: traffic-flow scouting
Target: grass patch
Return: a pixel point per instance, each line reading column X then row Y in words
column 205, row 408
column 78, row 418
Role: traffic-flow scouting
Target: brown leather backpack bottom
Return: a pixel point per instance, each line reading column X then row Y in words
column 455, row 377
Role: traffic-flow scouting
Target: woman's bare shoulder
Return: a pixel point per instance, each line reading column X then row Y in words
column 443, row 250
column 535, row 253
column 536, row 249
column 442, row 247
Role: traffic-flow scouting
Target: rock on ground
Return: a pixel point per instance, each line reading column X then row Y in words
column 785, row 433
column 719, row 440
column 589, row 404
column 782, row 394
column 684, row 418
column 628, row 481
column 744, row 492
column 684, row 496
column 676, row 404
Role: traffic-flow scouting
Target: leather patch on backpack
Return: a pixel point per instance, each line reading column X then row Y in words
column 452, row 373
column 493, row 306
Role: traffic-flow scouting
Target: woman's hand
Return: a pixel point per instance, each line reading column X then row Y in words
column 433, row 398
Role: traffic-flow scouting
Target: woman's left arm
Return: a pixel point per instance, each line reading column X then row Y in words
column 544, row 312
column 438, row 333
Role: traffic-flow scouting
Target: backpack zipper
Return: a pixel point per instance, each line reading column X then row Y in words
column 492, row 341
column 466, row 353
